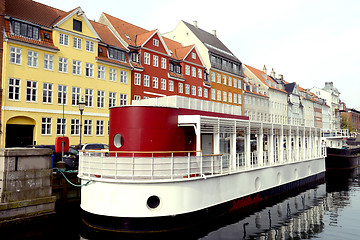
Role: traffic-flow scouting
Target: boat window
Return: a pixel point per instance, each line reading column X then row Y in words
column 118, row 140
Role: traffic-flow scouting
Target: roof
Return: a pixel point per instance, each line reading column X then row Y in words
column 106, row 35
column 33, row 12
column 263, row 77
column 212, row 42
column 127, row 31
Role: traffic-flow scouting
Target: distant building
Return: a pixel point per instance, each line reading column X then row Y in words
column 352, row 116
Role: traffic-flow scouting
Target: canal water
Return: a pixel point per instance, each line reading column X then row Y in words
column 326, row 211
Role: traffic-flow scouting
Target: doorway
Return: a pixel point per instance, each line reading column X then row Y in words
column 18, row 135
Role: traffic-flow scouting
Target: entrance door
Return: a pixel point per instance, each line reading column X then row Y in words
column 207, row 144
column 19, row 135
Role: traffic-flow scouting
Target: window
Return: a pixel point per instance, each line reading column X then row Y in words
column 230, row 81
column 199, row 73
column 100, row 99
column 155, row 42
column 63, row 65
column 77, row 43
column 137, row 97
column 213, row 95
column 75, row 97
column 187, row 89
column 239, row 98
column 75, row 127
column 163, row 84
column 123, row 99
column 224, row 79
column 187, row 69
column 62, row 94
column 181, row 88
column 193, row 55
column 235, row 98
column 15, row 55
column 101, row 72
column 206, row 94
column 99, row 127
column 45, row 126
column 235, row 81
column 163, row 63
column 137, row 79
column 155, row 82
column 31, row 88
column 76, row 67
column 88, row 97
column 239, row 83
column 230, row 97
column 25, row 30
column 47, row 92
column 89, row 46
column 48, row 62
column 155, row 61
column 61, row 126
column 112, row 99
column 147, row 58
column 32, row 59
column 146, row 80
column 87, row 127
column 89, row 70
column 193, row 71
column 213, row 77
column 200, row 91
column 77, row 25
column 193, row 90
column 116, row 54
column 123, row 77
column 112, row 74
column 14, row 89
column 171, row 85
column 218, row 78
column 64, row 39
column 218, row 95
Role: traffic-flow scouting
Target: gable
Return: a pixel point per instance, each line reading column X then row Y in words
column 194, row 57
column 77, row 22
column 155, row 42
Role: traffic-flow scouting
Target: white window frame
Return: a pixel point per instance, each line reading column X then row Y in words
column 87, row 127
column 163, row 84
column 15, row 55
column 163, row 63
column 193, row 90
column 62, row 90
column 32, row 59
column 146, row 81
column 200, row 91
column 123, row 77
column 32, row 97
column 63, row 65
column 47, row 93
column 100, row 99
column 101, row 72
column 187, row 88
column 181, row 87
column 206, row 93
column 155, row 82
column 112, row 74
column 75, row 95
column 146, row 58
column 187, row 69
column 155, row 42
column 77, row 42
column 15, row 92
column 48, row 62
column 112, row 99
column 61, row 126
column 123, row 99
column 76, row 69
column 171, row 85
column 155, row 60
column 75, row 127
column 200, row 73
column 218, row 95
column 89, row 70
column 137, row 79
column 89, row 97
column 89, row 46
column 64, row 39
column 46, row 126
column 193, row 71
column 99, row 127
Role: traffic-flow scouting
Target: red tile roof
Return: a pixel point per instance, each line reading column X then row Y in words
column 127, row 31
column 33, row 12
column 106, row 35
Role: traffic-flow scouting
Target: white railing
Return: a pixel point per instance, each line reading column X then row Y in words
column 154, row 166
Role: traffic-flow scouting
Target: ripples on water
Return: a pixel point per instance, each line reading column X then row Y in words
column 329, row 211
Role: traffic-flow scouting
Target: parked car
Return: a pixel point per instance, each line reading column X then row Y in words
column 71, row 158
column 95, row 146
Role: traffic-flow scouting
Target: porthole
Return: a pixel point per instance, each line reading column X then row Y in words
column 153, row 202
column 118, row 140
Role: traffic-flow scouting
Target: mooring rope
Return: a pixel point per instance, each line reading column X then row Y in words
column 62, row 171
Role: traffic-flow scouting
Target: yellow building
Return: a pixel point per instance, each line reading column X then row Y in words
column 51, row 59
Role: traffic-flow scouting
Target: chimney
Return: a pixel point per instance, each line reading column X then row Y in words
column 281, row 77
column 272, row 74
column 264, row 69
column 214, row 32
column 195, row 24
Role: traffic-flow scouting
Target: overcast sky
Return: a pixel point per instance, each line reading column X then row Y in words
column 310, row 42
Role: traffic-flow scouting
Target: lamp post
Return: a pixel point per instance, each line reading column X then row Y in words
column 81, row 104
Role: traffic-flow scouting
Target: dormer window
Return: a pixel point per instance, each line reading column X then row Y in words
column 116, row 54
column 135, row 57
column 77, row 25
column 25, row 30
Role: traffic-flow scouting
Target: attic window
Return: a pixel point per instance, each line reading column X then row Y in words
column 47, row 36
column 77, row 25
column 155, row 42
column 25, row 30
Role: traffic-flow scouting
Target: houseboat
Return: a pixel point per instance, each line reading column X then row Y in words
column 175, row 161
column 339, row 153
